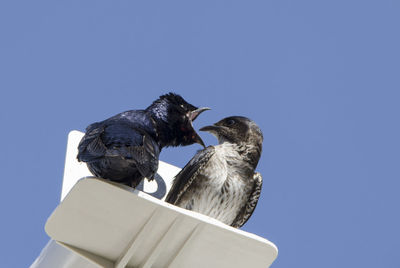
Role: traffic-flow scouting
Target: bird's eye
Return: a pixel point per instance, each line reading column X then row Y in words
column 183, row 107
column 230, row 122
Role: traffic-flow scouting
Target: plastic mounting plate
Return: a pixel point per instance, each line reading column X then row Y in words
column 114, row 225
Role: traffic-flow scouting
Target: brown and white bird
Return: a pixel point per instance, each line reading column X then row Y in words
column 220, row 181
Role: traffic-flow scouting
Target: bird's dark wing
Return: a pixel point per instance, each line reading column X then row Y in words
column 123, row 140
column 91, row 145
column 188, row 174
column 134, row 144
column 251, row 204
column 145, row 156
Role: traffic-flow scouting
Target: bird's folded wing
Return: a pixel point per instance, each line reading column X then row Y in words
column 91, row 146
column 248, row 209
column 188, row 174
column 132, row 143
column 146, row 156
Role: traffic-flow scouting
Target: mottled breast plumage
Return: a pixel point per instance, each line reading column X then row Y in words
column 220, row 187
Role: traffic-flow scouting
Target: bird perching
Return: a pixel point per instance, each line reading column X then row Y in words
column 220, row 181
column 125, row 148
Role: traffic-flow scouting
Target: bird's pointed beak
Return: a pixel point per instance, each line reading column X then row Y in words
column 194, row 114
column 211, row 129
column 198, row 140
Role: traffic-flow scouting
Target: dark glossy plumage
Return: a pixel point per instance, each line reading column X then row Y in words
column 125, row 148
column 220, row 181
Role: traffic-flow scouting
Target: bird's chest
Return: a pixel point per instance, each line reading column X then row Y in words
column 225, row 187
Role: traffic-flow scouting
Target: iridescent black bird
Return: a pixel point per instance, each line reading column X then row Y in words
column 125, row 147
column 220, row 181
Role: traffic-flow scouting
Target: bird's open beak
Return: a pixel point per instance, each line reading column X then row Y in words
column 194, row 114
column 198, row 140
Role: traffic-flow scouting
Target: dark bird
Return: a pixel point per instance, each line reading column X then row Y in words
column 125, row 147
column 220, row 181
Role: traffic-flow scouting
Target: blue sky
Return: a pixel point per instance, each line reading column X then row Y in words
column 321, row 78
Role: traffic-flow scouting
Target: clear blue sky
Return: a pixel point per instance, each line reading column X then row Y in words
column 321, row 78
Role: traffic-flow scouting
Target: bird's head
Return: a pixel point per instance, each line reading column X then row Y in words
column 239, row 130
column 174, row 117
